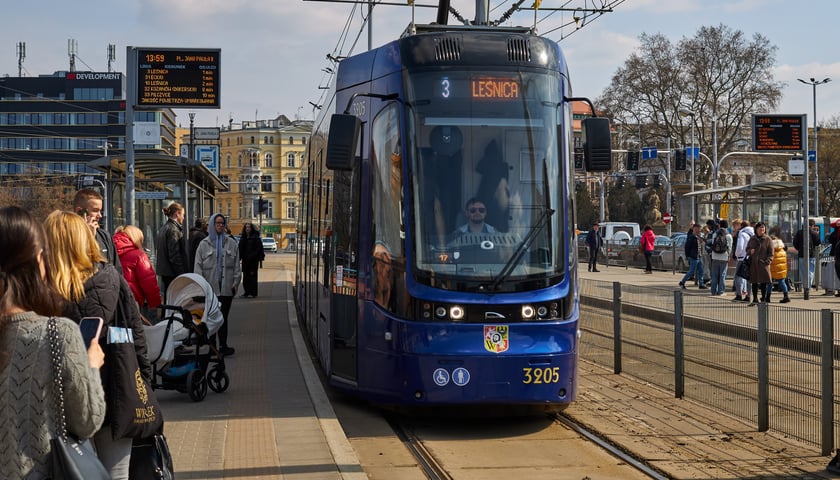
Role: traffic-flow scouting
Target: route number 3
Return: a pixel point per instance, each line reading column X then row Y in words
column 540, row 375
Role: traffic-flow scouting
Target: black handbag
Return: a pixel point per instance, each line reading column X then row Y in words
column 70, row 459
column 743, row 270
column 150, row 459
column 133, row 409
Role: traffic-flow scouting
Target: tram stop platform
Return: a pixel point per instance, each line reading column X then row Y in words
column 274, row 421
column 818, row 299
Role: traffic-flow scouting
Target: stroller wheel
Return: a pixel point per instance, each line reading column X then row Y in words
column 218, row 379
column 196, row 385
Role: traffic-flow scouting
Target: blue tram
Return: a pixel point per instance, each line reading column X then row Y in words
column 437, row 258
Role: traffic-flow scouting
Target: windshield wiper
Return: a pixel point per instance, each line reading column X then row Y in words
column 521, row 249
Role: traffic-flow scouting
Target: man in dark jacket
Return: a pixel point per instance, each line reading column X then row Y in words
column 799, row 245
column 693, row 244
column 197, row 233
column 88, row 204
column 594, row 242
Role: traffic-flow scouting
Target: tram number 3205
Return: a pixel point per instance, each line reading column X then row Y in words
column 537, row 376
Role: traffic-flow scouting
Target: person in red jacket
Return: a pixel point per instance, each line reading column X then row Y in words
column 647, row 242
column 137, row 269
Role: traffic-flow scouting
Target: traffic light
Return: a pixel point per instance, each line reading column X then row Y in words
column 260, row 205
column 641, row 181
column 619, row 182
column 657, row 181
column 633, row 160
column 679, row 159
column 578, row 158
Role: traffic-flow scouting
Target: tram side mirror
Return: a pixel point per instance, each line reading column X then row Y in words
column 343, row 141
column 597, row 147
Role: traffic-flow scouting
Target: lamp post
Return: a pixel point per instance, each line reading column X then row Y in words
column 192, row 136
column 689, row 113
column 813, row 82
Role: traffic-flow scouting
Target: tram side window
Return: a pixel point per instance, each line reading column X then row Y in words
column 388, row 257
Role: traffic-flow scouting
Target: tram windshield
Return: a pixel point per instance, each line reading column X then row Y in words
column 488, row 210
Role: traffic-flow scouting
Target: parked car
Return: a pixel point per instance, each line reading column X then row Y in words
column 661, row 259
column 269, row 244
column 675, row 257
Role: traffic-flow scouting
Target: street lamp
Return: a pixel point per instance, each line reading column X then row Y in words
column 192, row 135
column 685, row 111
column 813, row 82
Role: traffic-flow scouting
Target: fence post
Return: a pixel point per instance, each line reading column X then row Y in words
column 616, row 327
column 827, row 380
column 763, row 369
column 679, row 346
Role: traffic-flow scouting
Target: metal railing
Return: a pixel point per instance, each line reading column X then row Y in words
column 769, row 365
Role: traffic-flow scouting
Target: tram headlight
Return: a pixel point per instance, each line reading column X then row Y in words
column 542, row 311
column 528, row 312
column 440, row 311
column 456, row 312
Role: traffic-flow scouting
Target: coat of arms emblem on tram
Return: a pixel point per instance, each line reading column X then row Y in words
column 496, row 338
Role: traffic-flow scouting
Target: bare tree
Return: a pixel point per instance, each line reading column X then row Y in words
column 718, row 74
column 829, row 168
column 40, row 194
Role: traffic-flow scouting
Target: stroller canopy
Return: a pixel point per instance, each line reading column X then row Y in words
column 192, row 292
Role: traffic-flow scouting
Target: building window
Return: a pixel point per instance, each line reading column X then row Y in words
column 271, row 140
column 269, row 212
column 290, row 160
column 225, row 179
column 266, row 183
column 269, row 160
column 229, row 207
column 265, row 139
column 239, row 160
column 291, row 140
column 291, row 186
column 228, row 160
column 291, row 208
column 255, row 159
column 252, row 139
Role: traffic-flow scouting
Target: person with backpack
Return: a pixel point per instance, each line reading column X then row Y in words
column 746, row 232
column 721, row 249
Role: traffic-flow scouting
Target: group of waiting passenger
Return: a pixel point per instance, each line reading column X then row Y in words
column 56, row 272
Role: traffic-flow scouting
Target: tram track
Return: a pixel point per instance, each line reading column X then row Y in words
column 435, row 469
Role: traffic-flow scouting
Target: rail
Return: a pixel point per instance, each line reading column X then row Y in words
column 770, row 365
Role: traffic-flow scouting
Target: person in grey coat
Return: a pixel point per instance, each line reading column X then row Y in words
column 217, row 260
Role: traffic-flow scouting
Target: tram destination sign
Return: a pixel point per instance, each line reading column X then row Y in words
column 778, row 133
column 178, row 77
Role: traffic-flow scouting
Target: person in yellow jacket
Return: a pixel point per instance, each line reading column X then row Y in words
column 778, row 268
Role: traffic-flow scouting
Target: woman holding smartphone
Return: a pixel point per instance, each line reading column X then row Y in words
column 81, row 276
column 27, row 301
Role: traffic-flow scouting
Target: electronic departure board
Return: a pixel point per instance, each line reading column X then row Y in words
column 778, row 132
column 178, row 77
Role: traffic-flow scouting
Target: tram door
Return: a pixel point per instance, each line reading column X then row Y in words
column 344, row 248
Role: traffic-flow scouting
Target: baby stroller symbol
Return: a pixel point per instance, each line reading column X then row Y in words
column 179, row 346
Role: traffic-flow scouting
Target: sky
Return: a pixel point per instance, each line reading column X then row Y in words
column 274, row 52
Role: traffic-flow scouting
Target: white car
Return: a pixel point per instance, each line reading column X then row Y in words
column 269, row 245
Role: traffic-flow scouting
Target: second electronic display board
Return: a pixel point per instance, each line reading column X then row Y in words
column 178, row 78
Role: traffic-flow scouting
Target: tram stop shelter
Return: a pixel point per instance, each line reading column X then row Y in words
column 777, row 204
column 159, row 180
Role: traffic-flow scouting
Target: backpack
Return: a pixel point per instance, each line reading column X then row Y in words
column 719, row 242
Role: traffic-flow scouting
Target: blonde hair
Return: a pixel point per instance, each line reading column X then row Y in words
column 73, row 253
column 133, row 233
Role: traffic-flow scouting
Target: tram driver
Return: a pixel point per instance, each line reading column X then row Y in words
column 476, row 212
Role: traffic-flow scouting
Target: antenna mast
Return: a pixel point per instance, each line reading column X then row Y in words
column 21, row 54
column 112, row 55
column 72, row 49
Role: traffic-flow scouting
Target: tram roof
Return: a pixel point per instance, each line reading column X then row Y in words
column 755, row 189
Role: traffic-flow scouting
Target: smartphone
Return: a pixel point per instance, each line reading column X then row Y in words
column 91, row 328
column 83, row 213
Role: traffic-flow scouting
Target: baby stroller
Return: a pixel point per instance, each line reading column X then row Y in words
column 179, row 346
